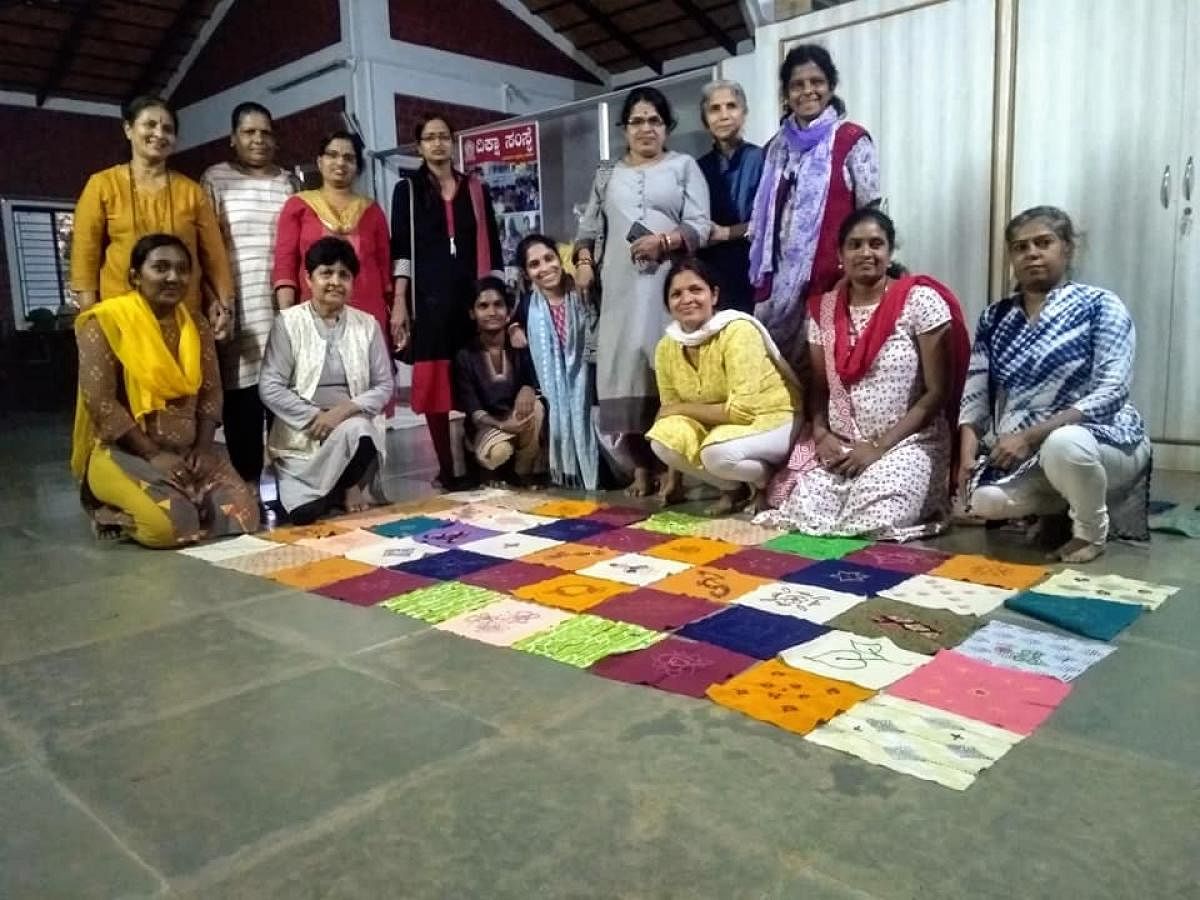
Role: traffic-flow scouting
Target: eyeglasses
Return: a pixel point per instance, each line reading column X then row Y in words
column 440, row 137
column 651, row 122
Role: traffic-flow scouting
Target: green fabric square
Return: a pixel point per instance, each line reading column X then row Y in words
column 815, row 547
column 672, row 523
column 440, row 602
column 583, row 640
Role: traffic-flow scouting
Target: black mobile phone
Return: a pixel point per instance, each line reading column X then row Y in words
column 637, row 230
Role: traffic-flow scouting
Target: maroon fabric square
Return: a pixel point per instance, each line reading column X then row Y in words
column 374, row 587
column 676, row 665
column 627, row 540
column 899, row 558
column 510, row 575
column 656, row 610
column 763, row 563
column 618, row 515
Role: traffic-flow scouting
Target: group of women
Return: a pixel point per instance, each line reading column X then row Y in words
column 851, row 402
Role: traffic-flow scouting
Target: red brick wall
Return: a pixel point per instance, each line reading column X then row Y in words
column 483, row 29
column 255, row 37
column 410, row 110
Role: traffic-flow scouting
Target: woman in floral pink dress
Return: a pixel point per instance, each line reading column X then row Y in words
column 888, row 361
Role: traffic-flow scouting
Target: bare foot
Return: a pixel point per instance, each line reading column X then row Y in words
column 670, row 489
column 355, row 501
column 758, row 501
column 643, row 483
column 1078, row 550
column 731, row 501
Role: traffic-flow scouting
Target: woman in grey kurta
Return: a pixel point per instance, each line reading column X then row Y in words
column 651, row 204
column 326, row 377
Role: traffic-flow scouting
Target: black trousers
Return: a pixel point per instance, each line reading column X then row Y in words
column 246, row 420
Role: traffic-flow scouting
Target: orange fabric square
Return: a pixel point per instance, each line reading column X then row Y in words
column 699, row 551
column 320, row 573
column 293, row 533
column 565, row 509
column 981, row 570
column 789, row 698
column 571, row 556
column 717, row 585
column 572, row 591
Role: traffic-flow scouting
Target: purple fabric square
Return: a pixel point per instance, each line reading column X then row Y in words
column 374, row 587
column 848, row 577
column 570, row 529
column 508, row 576
column 409, row 527
column 899, row 558
column 448, row 566
column 675, row 665
column 763, row 563
column 627, row 540
column 656, row 610
column 453, row 534
column 618, row 515
column 744, row 629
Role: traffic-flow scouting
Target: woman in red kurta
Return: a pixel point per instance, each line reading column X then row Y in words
column 336, row 210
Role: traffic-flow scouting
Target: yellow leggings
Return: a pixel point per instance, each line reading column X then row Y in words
column 158, row 524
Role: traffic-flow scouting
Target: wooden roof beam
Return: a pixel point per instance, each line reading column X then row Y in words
column 635, row 49
column 189, row 10
column 710, row 27
column 66, row 50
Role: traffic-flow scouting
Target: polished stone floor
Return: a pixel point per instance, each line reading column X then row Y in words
column 171, row 729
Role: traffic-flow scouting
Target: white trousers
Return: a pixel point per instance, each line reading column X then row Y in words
column 1077, row 472
column 730, row 464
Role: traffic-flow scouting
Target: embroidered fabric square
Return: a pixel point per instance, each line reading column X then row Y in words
column 695, row 551
column 868, row 662
column 570, row 529
column 570, row 557
column 752, row 631
column 510, row 520
column 1007, row 698
column 319, row 572
column 507, row 576
column 626, row 540
column 1042, row 652
column 764, row 563
column 521, row 501
column 228, row 549
column 786, row 697
column 571, row 591
column 1090, row 617
column 448, row 565
column 804, row 601
column 566, row 509
column 917, row 740
column 292, row 533
column 815, row 547
column 472, row 513
column 453, row 535
column 935, row 592
column 374, row 587
column 677, row 523
column 479, row 495
column 709, row 583
column 737, row 531
column 583, row 640
column 899, row 558
column 847, row 577
column 634, row 568
column 909, row 627
column 675, row 665
column 504, row 622
column 380, row 515
column 341, row 544
column 264, row 562
column 656, row 610
column 1073, row 583
column 392, row 552
column 981, row 570
column 618, row 516
column 441, row 601
column 408, row 527
column 508, row 545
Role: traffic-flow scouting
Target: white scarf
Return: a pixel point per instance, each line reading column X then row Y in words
column 712, row 328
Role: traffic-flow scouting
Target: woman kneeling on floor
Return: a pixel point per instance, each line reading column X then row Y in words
column 1046, row 423
column 729, row 400
column 149, row 405
column 326, row 377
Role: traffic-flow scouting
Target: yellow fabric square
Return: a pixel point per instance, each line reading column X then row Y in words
column 565, row 509
column 572, row 591
column 293, row 533
column 571, row 557
column 320, row 573
column 789, row 698
column 992, row 572
column 698, row 551
column 717, row 585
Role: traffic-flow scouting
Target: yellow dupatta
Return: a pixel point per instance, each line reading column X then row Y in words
column 338, row 223
column 153, row 376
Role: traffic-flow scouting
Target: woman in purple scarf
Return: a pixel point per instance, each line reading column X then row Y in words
column 820, row 167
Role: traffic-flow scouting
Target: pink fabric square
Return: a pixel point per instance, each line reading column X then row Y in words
column 676, row 665
column 504, row 622
column 656, row 610
column 899, row 558
column 510, row 575
column 618, row 515
column 374, row 587
column 1007, row 698
column 763, row 563
column 627, row 540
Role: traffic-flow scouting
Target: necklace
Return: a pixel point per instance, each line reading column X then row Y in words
column 133, row 204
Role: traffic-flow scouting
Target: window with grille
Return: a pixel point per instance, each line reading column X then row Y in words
column 37, row 245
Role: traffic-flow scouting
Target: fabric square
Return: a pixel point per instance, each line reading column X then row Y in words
column 510, row 520
column 635, row 569
column 1073, row 583
column 787, row 698
column 804, row 601
column 847, row 577
column 569, row 529
column 374, row 587
column 815, row 547
column 392, row 552
column 981, row 570
column 510, row 545
column 510, row 575
column 695, row 551
column 656, row 610
column 618, row 516
column 626, row 540
column 566, row 509
column 909, row 627
column 320, row 572
column 917, row 740
column 453, row 535
column 763, row 563
column 583, row 640
column 504, row 622
column 413, row 525
column 1090, row 617
column 570, row 557
column 899, row 558
column 228, row 549
column 1006, row 698
column 737, row 531
column 448, row 565
column 292, row 533
column 868, row 662
column 571, row 591
column 1041, row 652
column 441, row 601
column 264, row 562
column 479, row 495
column 380, row 515
column 668, row 522
column 708, row 583
column 471, row 513
column 341, row 544
column 935, row 592
column 752, row 631
column 675, row 665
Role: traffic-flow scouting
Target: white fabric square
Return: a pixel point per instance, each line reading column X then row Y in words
column 512, row 520
column 635, row 568
column 479, row 495
column 1073, row 583
column 869, row 662
column 393, row 551
column 935, row 592
column 510, row 546
column 804, row 601
column 238, row 546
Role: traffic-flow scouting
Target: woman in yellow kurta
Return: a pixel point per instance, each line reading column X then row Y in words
column 126, row 202
column 729, row 400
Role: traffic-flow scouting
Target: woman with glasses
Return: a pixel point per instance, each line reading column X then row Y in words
column 653, row 203
column 444, row 238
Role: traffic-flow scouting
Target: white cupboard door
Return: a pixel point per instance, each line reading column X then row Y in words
column 855, row 51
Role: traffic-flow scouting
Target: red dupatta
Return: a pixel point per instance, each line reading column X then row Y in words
column 483, row 247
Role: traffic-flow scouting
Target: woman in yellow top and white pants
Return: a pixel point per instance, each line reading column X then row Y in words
column 729, row 400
